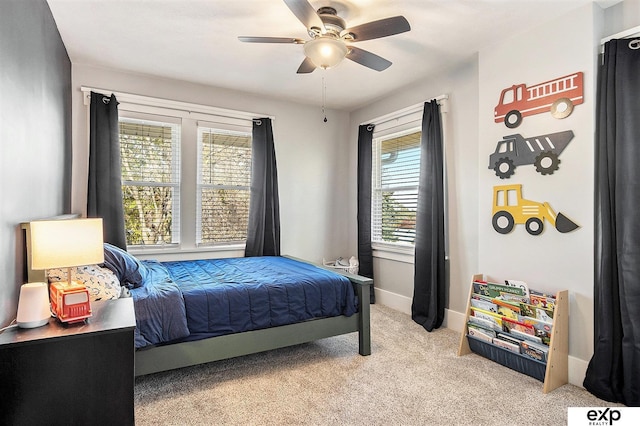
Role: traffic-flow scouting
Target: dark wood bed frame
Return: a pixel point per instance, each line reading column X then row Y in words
column 184, row 354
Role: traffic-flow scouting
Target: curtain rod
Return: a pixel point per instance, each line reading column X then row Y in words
column 186, row 107
column 405, row 111
column 631, row 32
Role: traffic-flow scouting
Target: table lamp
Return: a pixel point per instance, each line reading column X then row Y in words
column 67, row 244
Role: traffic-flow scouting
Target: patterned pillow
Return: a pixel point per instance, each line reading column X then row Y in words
column 101, row 283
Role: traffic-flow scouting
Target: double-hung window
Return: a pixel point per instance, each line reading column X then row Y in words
column 224, row 184
column 150, row 160
column 186, row 176
column 395, row 176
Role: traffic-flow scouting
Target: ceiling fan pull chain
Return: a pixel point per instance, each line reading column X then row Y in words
column 324, row 98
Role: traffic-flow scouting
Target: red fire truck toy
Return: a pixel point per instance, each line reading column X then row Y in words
column 558, row 96
column 70, row 302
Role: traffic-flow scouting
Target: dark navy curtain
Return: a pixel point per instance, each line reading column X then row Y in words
column 263, row 233
column 104, row 191
column 365, row 253
column 614, row 370
column 429, row 292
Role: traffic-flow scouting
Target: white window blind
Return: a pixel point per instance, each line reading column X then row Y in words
column 224, row 184
column 150, row 159
column 395, row 177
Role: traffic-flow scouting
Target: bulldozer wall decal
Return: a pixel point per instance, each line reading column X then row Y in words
column 542, row 151
column 510, row 209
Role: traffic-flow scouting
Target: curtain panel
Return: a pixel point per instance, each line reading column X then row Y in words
column 365, row 252
column 263, row 233
column 427, row 308
column 613, row 373
column 104, row 191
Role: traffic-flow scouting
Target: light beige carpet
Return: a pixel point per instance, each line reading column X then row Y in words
column 412, row 377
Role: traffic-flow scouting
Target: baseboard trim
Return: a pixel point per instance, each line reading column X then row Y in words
column 394, row 301
column 455, row 321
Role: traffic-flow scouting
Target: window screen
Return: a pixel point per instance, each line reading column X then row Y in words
column 149, row 155
column 224, row 179
column 396, row 172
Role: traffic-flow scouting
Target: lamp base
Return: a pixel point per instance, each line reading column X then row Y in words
column 33, row 324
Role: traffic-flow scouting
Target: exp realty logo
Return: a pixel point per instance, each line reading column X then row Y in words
column 603, row 416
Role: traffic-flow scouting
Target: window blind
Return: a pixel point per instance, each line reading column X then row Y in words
column 150, row 159
column 396, row 172
column 224, row 183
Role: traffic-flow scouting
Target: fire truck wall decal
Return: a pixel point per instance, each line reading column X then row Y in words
column 510, row 209
column 541, row 151
column 558, row 96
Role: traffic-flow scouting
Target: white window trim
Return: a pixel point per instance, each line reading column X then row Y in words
column 189, row 115
column 398, row 121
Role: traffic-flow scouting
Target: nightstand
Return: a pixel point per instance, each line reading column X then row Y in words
column 79, row 374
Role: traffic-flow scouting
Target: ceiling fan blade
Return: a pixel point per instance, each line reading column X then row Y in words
column 306, row 66
column 306, row 14
column 377, row 29
column 248, row 39
column 368, row 59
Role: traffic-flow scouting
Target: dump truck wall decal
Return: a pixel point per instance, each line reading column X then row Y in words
column 510, row 209
column 542, row 151
column 557, row 96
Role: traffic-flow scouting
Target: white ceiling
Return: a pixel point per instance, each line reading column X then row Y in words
column 196, row 41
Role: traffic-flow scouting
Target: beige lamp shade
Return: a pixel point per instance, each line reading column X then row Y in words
column 66, row 243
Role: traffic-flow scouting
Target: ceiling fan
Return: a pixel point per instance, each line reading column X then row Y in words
column 331, row 40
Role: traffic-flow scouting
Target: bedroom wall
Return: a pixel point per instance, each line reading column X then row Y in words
column 312, row 165
column 394, row 273
column 621, row 16
column 551, row 261
column 35, row 133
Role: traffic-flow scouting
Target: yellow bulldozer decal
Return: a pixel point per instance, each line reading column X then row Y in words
column 510, row 209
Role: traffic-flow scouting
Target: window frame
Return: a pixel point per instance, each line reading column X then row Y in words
column 176, row 181
column 377, row 190
column 221, row 130
column 190, row 114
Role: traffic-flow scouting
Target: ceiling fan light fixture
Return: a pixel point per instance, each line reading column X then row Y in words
column 325, row 52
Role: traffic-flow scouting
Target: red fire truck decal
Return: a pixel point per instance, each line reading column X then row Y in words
column 557, row 96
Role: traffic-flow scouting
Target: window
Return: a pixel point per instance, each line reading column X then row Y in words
column 150, row 159
column 396, row 172
column 224, row 183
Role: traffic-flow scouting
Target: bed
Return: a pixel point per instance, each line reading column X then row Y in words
column 293, row 316
column 194, row 312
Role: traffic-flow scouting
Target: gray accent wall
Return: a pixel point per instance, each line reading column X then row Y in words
column 35, row 133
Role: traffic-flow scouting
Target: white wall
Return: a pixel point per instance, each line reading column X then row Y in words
column 311, row 155
column 551, row 261
column 393, row 278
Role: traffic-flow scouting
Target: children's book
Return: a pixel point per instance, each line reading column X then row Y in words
column 534, row 350
column 519, row 284
column 481, row 327
column 489, row 316
column 478, row 334
column 542, row 329
column 509, row 324
column 544, row 302
column 506, row 345
column 484, row 323
column 524, row 336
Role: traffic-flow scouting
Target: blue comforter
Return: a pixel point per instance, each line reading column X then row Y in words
column 223, row 296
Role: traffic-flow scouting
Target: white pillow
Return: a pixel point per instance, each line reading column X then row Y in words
column 101, row 283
